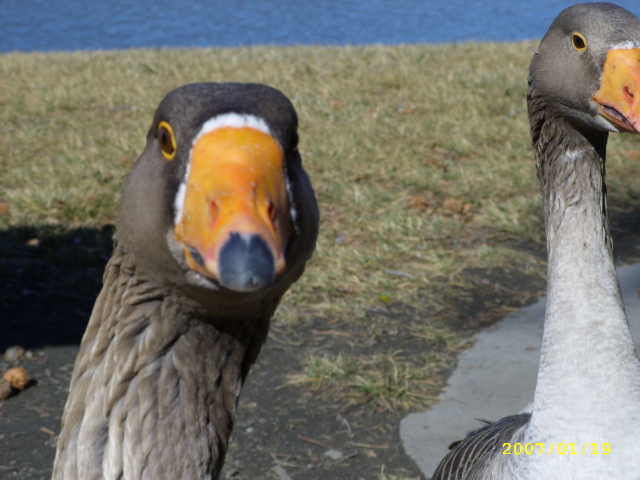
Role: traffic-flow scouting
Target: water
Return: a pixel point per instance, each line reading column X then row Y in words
column 47, row 25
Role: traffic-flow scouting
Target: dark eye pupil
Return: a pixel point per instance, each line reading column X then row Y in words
column 164, row 137
column 578, row 42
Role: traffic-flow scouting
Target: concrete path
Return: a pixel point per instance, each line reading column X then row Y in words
column 494, row 378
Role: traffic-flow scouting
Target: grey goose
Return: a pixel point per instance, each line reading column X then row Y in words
column 584, row 82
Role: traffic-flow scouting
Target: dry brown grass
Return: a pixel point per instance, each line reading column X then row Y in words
column 389, row 380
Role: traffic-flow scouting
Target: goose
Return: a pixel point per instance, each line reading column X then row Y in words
column 584, row 82
column 217, row 220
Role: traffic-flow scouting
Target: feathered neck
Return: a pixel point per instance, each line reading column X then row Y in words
column 570, row 161
column 589, row 363
column 155, row 386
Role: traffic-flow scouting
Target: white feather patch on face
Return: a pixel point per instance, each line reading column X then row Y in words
column 233, row 120
column 178, row 204
column 628, row 45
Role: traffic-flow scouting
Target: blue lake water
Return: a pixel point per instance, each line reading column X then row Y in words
column 46, row 25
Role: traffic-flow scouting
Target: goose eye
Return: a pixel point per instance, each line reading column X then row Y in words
column 167, row 140
column 579, row 42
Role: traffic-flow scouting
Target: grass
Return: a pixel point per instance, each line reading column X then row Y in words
column 387, row 379
column 419, row 155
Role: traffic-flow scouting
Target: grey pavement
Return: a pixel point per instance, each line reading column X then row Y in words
column 494, row 378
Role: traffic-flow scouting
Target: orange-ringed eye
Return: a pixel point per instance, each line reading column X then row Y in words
column 579, row 42
column 167, row 140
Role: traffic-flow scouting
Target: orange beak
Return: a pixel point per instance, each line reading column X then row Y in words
column 619, row 95
column 236, row 222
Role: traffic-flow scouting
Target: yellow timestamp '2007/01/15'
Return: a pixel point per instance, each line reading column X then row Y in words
column 558, row 448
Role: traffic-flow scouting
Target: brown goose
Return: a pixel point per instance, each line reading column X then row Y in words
column 217, row 220
column 583, row 83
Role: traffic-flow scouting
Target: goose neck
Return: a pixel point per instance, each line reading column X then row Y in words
column 588, row 361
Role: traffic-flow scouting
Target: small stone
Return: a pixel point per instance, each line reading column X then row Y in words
column 18, row 377
column 4, row 208
column 15, row 353
column 334, row 454
column 5, row 389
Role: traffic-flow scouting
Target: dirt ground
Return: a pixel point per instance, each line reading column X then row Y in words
column 282, row 432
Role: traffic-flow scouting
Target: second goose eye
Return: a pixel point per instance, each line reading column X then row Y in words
column 579, row 42
column 167, row 140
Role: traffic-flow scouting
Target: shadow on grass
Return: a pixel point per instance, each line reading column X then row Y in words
column 49, row 280
column 50, row 277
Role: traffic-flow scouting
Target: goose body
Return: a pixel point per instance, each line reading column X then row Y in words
column 583, row 82
column 217, row 220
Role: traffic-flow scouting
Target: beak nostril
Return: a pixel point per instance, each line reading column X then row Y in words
column 213, row 208
column 628, row 92
column 271, row 210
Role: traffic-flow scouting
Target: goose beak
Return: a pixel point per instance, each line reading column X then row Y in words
column 618, row 98
column 235, row 222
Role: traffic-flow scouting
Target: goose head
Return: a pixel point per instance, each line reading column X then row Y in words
column 218, row 204
column 587, row 67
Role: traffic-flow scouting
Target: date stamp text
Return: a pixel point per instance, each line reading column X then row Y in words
column 556, row 448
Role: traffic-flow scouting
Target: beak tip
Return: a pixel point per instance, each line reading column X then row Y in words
column 246, row 263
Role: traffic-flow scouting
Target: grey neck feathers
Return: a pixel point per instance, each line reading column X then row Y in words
column 570, row 160
column 588, row 362
column 155, row 387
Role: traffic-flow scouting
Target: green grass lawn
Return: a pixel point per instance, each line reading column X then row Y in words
column 420, row 157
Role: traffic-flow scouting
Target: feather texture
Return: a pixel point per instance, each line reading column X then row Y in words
column 471, row 457
column 156, row 382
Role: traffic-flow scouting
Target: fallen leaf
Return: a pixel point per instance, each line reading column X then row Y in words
column 633, row 154
column 453, row 205
column 370, row 453
column 385, row 298
column 4, row 208
column 423, row 201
